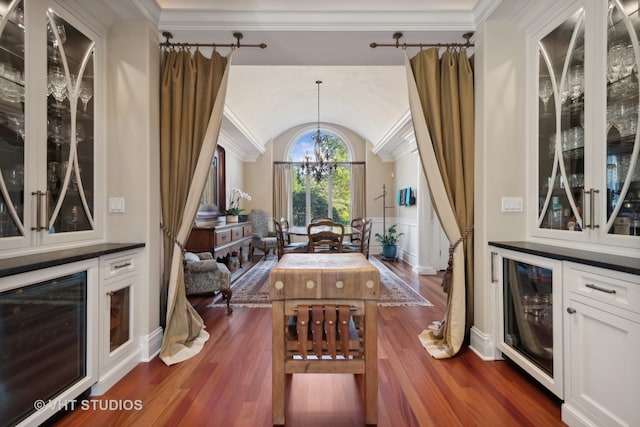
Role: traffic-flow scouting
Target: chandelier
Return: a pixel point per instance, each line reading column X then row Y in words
column 323, row 163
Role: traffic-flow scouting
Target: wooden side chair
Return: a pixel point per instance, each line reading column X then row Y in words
column 325, row 236
column 363, row 241
column 356, row 230
column 282, row 247
column 320, row 218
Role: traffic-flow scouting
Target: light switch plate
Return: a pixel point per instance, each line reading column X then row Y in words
column 116, row 205
column 512, row 204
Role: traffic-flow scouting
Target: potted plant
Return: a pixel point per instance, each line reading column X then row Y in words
column 389, row 242
column 234, row 204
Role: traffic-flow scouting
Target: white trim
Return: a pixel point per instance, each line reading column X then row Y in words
column 150, row 345
column 484, row 345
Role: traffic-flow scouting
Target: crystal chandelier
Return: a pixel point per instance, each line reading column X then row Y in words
column 323, row 163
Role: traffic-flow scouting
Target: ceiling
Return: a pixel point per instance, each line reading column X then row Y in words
column 272, row 90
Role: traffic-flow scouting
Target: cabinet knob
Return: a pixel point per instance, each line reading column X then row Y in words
column 571, row 310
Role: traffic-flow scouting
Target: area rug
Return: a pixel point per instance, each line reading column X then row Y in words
column 252, row 289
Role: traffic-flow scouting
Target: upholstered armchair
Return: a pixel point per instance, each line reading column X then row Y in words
column 203, row 275
column 263, row 239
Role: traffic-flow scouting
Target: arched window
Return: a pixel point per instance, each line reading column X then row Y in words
column 328, row 196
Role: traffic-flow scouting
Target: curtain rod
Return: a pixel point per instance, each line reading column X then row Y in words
column 238, row 37
column 397, row 36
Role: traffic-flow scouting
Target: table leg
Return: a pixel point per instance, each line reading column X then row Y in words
column 277, row 368
column 371, row 363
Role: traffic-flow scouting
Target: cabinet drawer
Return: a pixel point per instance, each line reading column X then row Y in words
column 236, row 233
column 118, row 265
column 222, row 237
column 611, row 287
column 248, row 231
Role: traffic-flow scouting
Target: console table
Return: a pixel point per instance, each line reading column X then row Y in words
column 221, row 240
column 333, row 298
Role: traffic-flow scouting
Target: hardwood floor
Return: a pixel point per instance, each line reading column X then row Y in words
column 229, row 382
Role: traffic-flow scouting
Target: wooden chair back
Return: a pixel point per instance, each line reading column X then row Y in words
column 320, row 218
column 357, row 224
column 277, row 227
column 325, row 236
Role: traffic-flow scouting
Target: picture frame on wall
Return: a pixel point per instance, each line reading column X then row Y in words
column 402, row 194
column 407, row 196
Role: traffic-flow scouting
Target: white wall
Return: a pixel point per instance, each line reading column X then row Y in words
column 133, row 159
column 500, row 167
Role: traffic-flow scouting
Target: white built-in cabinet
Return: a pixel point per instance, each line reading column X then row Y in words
column 602, row 343
column 573, row 325
column 51, row 144
column 584, row 78
column 119, row 347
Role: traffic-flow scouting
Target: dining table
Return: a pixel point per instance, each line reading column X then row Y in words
column 301, row 230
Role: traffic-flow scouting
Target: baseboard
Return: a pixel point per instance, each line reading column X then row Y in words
column 150, row 345
column 427, row 270
column 483, row 345
column 573, row 418
column 115, row 374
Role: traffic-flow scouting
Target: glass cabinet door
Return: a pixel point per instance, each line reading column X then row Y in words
column 70, row 146
column 12, row 119
column 622, row 168
column 561, row 167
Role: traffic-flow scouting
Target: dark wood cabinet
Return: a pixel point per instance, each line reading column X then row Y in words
column 222, row 241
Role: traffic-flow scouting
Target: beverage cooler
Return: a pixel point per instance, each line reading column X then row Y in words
column 529, row 318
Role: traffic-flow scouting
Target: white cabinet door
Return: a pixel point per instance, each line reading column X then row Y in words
column 51, row 148
column 587, row 181
column 602, row 381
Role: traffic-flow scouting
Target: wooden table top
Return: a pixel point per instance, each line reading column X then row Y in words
column 324, row 276
column 301, row 230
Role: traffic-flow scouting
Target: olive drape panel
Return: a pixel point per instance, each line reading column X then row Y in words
column 358, row 193
column 441, row 98
column 282, row 188
column 191, row 105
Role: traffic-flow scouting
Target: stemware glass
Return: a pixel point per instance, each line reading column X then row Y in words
column 85, row 94
column 576, row 82
column 59, row 83
column 73, row 217
column 546, row 90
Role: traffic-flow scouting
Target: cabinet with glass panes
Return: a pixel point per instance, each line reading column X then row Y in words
column 588, row 176
column 48, row 143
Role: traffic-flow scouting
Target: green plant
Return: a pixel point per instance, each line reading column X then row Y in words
column 390, row 237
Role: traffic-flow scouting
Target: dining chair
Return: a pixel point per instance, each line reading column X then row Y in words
column 284, row 222
column 320, row 218
column 285, row 248
column 356, row 230
column 364, row 239
column 325, row 236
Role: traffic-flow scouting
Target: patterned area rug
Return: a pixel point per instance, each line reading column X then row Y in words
column 251, row 290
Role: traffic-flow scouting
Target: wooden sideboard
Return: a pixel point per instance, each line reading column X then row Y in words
column 222, row 241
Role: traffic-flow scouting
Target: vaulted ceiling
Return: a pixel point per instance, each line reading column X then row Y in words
column 273, row 89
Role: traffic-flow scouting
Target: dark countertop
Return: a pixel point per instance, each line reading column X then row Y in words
column 596, row 259
column 26, row 263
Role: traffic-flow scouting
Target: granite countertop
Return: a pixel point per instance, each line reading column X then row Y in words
column 26, row 263
column 597, row 259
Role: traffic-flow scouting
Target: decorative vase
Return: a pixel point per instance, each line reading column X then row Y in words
column 389, row 251
column 232, row 219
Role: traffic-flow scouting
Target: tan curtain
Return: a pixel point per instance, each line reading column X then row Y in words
column 191, row 106
column 358, row 196
column 441, row 99
column 282, row 187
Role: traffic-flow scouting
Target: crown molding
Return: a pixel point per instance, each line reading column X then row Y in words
column 149, row 8
column 398, row 141
column 199, row 20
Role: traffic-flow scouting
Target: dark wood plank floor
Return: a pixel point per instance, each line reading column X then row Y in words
column 229, row 382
